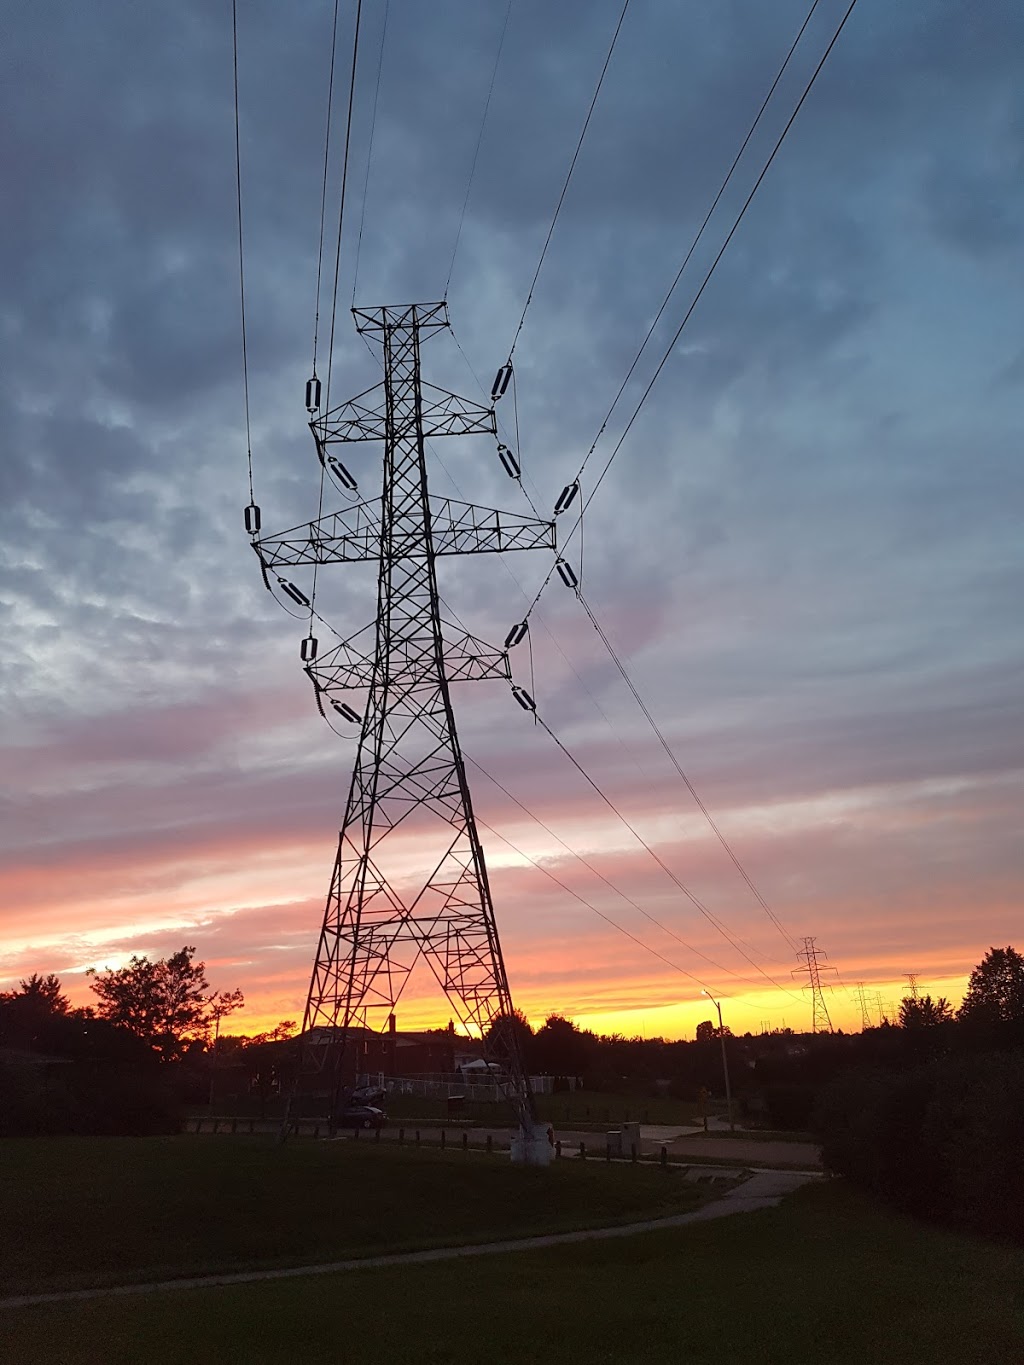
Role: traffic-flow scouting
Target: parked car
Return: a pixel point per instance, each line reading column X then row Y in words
column 362, row 1116
column 368, row 1094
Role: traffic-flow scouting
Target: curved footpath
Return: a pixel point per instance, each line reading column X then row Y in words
column 763, row 1190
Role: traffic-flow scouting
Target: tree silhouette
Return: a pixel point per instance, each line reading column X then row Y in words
column 924, row 1012
column 168, row 1003
column 995, row 992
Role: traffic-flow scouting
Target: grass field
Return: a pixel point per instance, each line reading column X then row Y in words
column 76, row 1212
column 827, row 1279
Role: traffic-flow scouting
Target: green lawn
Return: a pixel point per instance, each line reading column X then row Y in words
column 827, row 1279
column 83, row 1211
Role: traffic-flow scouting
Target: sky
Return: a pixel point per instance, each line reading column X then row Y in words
column 807, row 550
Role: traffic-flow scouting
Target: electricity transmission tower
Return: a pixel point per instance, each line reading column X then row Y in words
column 812, row 959
column 862, row 1000
column 912, row 984
column 409, row 879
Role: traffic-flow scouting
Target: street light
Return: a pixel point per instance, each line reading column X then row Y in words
column 725, row 1058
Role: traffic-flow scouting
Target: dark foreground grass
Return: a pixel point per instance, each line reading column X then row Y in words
column 76, row 1212
column 827, row 1279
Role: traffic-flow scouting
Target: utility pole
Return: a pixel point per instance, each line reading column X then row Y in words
column 725, row 1059
column 813, row 961
column 409, row 795
column 865, row 1015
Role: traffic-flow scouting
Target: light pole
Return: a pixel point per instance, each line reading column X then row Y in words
column 725, row 1059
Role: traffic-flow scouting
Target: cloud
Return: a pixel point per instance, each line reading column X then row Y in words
column 806, row 550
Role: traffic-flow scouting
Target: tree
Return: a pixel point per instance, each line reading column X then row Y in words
column 168, row 1003
column 924, row 1012
column 995, row 992
column 26, row 1012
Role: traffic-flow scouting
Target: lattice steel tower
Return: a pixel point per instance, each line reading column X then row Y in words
column 424, row 893
column 812, row 960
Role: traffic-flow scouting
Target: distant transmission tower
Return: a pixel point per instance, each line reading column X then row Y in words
column 409, row 879
column 911, row 984
column 865, row 1014
column 811, row 959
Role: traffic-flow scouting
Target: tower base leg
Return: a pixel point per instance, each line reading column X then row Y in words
column 533, row 1146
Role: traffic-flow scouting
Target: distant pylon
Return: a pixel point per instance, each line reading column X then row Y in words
column 912, row 984
column 811, row 959
column 883, row 1013
column 865, row 1014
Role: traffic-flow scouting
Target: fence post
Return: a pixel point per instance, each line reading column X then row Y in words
column 632, row 1152
column 607, row 1149
column 376, row 1134
column 234, row 1125
column 664, row 1156
column 490, row 1143
column 583, row 1151
column 401, row 1135
column 417, row 1137
column 355, row 1132
column 558, row 1149
column 442, row 1139
column 252, row 1128
column 216, row 1122
column 465, row 1142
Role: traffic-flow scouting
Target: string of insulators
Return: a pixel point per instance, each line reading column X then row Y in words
column 313, row 395
column 509, row 462
column 501, row 380
column 516, row 634
column 252, row 519
column 523, row 698
column 343, row 709
column 296, row 594
column 308, row 648
column 342, row 474
column 567, row 574
column 567, row 496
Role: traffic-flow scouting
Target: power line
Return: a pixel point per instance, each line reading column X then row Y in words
column 700, row 232
column 565, row 187
column 479, row 141
column 707, row 278
column 241, row 252
column 344, row 186
column 337, row 256
column 323, row 192
column 600, row 875
column 673, row 877
column 589, row 904
column 369, row 150
column 613, row 655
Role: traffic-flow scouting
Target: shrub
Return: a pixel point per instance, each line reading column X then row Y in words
column 944, row 1141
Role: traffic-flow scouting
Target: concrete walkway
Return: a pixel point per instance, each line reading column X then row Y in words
column 763, row 1190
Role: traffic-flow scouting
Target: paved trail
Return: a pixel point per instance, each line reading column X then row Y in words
column 762, row 1191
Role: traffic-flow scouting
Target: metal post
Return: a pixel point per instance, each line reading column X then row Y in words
column 725, row 1060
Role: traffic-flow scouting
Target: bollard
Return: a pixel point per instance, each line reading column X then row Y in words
column 376, row 1135
column 632, row 1152
column 583, row 1151
column 401, row 1135
column 664, row 1156
column 355, row 1132
column 490, row 1143
column 607, row 1151
column 465, row 1142
column 558, row 1150
column 442, row 1139
column 417, row 1137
